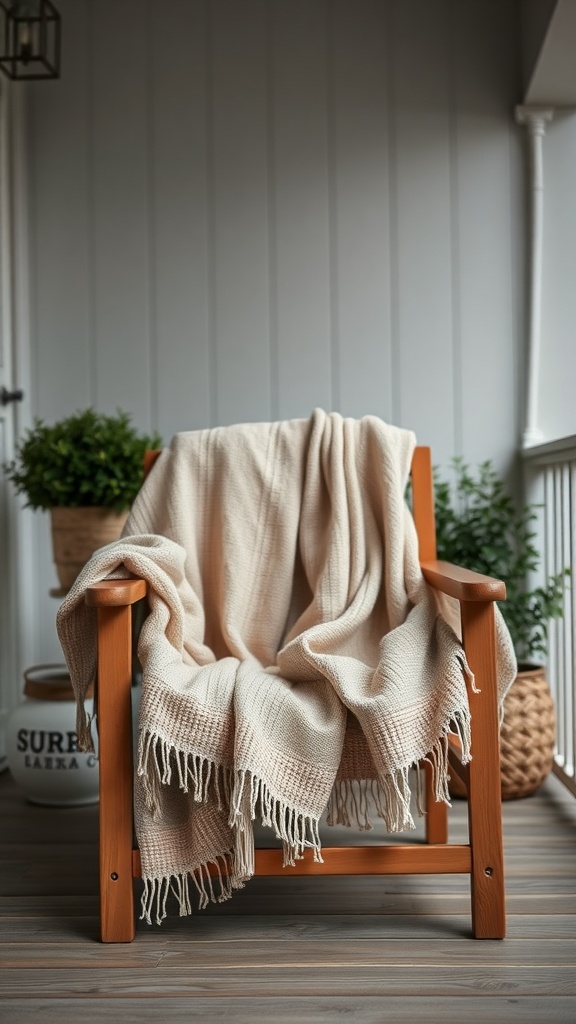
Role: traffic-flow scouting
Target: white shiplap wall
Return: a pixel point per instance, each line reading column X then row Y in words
column 244, row 210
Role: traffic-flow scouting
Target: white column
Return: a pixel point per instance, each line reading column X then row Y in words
column 535, row 119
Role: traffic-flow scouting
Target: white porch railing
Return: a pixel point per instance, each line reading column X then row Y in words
column 551, row 483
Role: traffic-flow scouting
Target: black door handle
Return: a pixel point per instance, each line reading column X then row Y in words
column 10, row 396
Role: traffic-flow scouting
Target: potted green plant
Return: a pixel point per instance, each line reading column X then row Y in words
column 480, row 526
column 86, row 470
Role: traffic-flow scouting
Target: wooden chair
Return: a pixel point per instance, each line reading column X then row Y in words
column 481, row 858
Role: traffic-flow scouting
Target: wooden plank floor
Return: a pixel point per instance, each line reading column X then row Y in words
column 290, row 950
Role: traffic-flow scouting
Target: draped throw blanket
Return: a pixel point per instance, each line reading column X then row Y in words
column 293, row 657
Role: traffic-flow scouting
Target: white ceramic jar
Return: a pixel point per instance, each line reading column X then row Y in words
column 41, row 742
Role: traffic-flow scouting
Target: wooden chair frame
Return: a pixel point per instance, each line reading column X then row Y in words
column 481, row 857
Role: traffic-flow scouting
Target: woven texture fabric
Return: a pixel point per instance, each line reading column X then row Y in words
column 291, row 644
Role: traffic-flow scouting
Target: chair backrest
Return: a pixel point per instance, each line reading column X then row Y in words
column 423, row 503
column 422, row 498
column 149, row 459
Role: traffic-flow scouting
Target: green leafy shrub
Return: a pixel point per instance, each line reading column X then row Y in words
column 480, row 527
column 87, row 459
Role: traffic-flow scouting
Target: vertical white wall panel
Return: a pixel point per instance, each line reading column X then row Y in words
column 179, row 216
column 240, row 326
column 487, row 390
column 300, row 208
column 61, row 285
column 121, row 153
column 361, row 228
column 424, row 383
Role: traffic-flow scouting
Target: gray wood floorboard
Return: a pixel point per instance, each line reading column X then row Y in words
column 131, row 983
column 359, row 1009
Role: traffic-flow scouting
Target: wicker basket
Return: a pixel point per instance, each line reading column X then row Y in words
column 77, row 533
column 527, row 736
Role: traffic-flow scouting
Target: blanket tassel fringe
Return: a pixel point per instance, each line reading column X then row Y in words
column 157, row 890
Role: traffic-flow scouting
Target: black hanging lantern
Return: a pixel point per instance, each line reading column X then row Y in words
column 29, row 39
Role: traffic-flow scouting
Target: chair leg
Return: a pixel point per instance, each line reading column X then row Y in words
column 484, row 794
column 436, row 812
column 115, row 753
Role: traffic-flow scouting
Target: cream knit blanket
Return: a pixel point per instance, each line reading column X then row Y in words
column 293, row 656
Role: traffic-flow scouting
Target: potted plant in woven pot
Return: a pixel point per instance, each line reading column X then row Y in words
column 480, row 527
column 85, row 470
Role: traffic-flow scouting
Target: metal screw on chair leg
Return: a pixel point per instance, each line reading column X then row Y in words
column 489, row 871
column 114, row 876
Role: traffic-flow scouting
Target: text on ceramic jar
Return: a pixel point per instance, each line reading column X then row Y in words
column 38, row 741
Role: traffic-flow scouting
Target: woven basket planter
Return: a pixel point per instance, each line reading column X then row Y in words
column 527, row 736
column 77, row 533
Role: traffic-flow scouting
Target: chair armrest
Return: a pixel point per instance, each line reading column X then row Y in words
column 463, row 584
column 115, row 593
